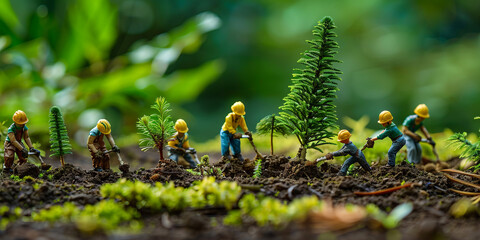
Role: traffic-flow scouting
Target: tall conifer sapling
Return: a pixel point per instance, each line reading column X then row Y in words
column 308, row 109
column 59, row 141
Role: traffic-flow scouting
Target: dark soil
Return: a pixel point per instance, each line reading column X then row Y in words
column 281, row 178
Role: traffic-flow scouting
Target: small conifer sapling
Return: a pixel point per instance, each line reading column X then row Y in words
column 470, row 151
column 59, row 141
column 308, row 109
column 272, row 125
column 156, row 128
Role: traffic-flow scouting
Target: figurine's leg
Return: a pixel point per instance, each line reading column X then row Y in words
column 9, row 154
column 394, row 149
column 413, row 148
column 21, row 159
column 190, row 160
column 95, row 161
column 346, row 165
column 363, row 162
column 419, row 152
column 174, row 157
column 236, row 146
column 105, row 161
column 225, row 142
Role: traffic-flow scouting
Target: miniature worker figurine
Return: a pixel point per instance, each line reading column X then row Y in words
column 179, row 144
column 348, row 149
column 411, row 124
column 96, row 145
column 398, row 141
column 229, row 135
column 13, row 143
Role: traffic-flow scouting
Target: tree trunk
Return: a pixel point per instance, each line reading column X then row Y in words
column 62, row 161
column 271, row 136
column 302, row 153
column 160, row 149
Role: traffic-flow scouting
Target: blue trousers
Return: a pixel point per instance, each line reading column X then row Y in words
column 394, row 149
column 353, row 159
column 414, row 150
column 187, row 157
column 227, row 140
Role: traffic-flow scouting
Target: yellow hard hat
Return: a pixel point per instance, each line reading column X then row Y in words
column 238, row 108
column 104, row 126
column 385, row 117
column 422, row 111
column 181, row 126
column 343, row 135
column 19, row 117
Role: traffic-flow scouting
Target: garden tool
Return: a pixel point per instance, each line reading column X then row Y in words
column 39, row 157
column 321, row 159
column 433, row 147
column 260, row 156
column 194, row 153
column 369, row 144
column 123, row 166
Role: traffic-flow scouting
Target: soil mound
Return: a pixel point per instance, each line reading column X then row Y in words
column 26, row 169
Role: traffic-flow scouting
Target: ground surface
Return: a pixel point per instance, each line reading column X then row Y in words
column 281, row 178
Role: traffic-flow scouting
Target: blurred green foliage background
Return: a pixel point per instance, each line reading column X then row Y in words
column 111, row 59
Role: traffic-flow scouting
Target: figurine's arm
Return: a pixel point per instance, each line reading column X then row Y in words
column 425, row 132
column 14, row 141
column 90, row 145
column 172, row 143
column 26, row 137
column 411, row 134
column 243, row 125
column 186, row 144
column 110, row 140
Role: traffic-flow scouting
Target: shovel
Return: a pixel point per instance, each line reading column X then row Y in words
column 39, row 157
column 433, row 147
column 123, row 166
column 253, row 145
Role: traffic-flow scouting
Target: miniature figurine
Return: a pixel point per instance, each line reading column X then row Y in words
column 96, row 145
column 13, row 142
column 398, row 141
column 411, row 124
column 349, row 149
column 229, row 135
column 179, row 146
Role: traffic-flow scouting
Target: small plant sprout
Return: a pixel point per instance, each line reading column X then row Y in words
column 157, row 128
column 470, row 151
column 59, row 142
column 272, row 125
column 389, row 221
column 257, row 172
column 308, row 109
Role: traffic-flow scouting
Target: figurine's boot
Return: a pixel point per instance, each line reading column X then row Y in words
column 341, row 174
column 239, row 157
column 227, row 157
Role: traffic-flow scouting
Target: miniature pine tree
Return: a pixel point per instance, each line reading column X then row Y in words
column 272, row 125
column 59, row 141
column 470, row 151
column 156, row 129
column 308, row 109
